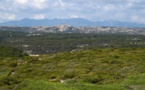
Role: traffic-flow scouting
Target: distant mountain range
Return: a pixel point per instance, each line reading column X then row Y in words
column 72, row 22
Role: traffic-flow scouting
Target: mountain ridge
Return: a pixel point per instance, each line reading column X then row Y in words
column 70, row 21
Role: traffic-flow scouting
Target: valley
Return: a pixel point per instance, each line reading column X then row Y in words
column 69, row 58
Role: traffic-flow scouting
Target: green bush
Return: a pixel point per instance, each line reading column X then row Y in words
column 69, row 74
column 92, row 78
column 11, row 52
column 9, row 81
column 13, row 64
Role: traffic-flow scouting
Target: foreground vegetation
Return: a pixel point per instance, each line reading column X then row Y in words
column 92, row 69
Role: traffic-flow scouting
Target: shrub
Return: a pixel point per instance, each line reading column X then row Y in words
column 69, row 74
column 92, row 79
column 11, row 52
column 13, row 64
column 116, row 56
column 9, row 81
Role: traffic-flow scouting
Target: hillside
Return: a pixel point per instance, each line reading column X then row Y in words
column 71, row 61
column 111, row 69
column 46, row 43
column 72, row 29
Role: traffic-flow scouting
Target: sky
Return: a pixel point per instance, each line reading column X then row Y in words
column 94, row 10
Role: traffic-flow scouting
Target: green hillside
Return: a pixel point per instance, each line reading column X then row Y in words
column 95, row 69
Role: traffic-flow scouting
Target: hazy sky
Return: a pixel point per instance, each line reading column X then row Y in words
column 95, row 10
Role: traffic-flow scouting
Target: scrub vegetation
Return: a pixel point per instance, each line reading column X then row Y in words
column 71, row 61
column 90, row 69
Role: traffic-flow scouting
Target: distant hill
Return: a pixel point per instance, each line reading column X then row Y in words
column 71, row 21
column 120, row 24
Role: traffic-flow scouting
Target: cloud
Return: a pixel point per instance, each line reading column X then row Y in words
column 74, row 16
column 39, row 16
column 61, row 3
column 109, row 7
column 21, row 1
column 39, row 4
column 7, row 16
column 122, row 10
column 134, row 18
